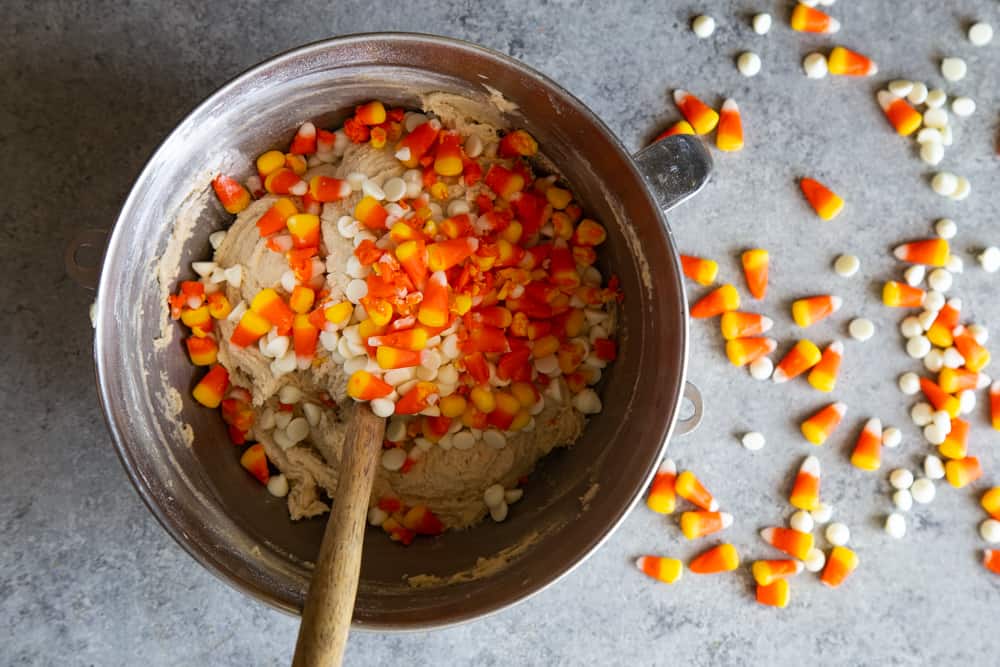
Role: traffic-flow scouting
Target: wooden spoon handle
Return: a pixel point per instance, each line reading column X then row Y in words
column 326, row 617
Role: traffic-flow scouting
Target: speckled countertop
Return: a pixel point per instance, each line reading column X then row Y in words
column 87, row 577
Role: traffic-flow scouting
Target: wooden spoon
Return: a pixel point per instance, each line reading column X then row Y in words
column 326, row 618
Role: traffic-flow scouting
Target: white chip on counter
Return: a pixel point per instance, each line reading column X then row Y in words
column 815, row 560
column 952, row 358
column 933, row 302
column 936, row 119
column 955, row 264
column 910, row 327
column 895, row 525
column 753, row 440
column 846, row 265
column 934, row 361
column 933, row 467
column 891, row 437
column 901, row 478
column 980, row 33
column 703, row 26
column 929, row 135
column 815, row 66
column 748, row 63
column 953, row 69
column 947, row 137
column 940, row 280
column 931, row 152
column 962, row 189
column 861, row 328
column 922, row 413
column 914, row 275
column 900, row 87
column 761, row 368
column 918, row 347
column 903, row 500
column 823, row 513
column 919, row 93
column 762, row 23
column 934, row 434
column 923, row 491
column 963, row 106
column 838, row 534
column 978, row 332
column 802, row 521
column 393, row 459
column 927, row 318
column 909, row 383
column 989, row 259
column 966, row 402
column 277, row 486
column 936, row 99
column 946, row 228
column 990, row 530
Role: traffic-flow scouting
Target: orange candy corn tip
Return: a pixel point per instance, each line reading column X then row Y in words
column 689, row 488
column 823, row 200
column 742, row 351
column 661, row 498
column 667, row 570
column 805, row 493
column 799, row 359
column 789, row 541
column 844, row 62
column 729, row 136
column 700, row 270
column 766, row 572
column 905, row 119
column 807, row 312
column 867, row 453
column 699, row 524
column 810, row 19
column 818, row 427
column 823, row 375
column 716, row 302
column 701, row 116
column 900, row 295
column 932, row 252
column 774, row 595
column 755, row 268
column 839, row 565
column 723, row 558
column 735, row 324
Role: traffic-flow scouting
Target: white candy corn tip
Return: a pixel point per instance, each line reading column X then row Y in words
column 730, row 105
column 810, row 466
column 668, row 467
column 840, row 407
column 765, row 324
column 835, row 303
column 726, row 518
column 995, row 387
column 799, row 566
column 837, row 346
column 679, row 95
column 874, row 425
column 834, row 26
column 779, row 376
column 767, row 534
column 640, row 562
column 713, row 506
column 885, row 99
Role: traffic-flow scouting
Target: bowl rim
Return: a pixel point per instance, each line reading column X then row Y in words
column 204, row 556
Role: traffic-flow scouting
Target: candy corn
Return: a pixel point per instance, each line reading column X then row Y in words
column 904, row 118
column 443, row 255
column 371, row 113
column 962, row 472
column 823, row 375
column 818, row 427
column 212, row 387
column 755, row 269
column 775, row 594
column 839, row 565
column 766, row 572
column 956, row 443
column 667, row 570
column 517, row 144
column 416, row 399
column 250, row 328
column 434, row 306
column 900, row 295
column 661, row 498
column 273, row 221
column 991, row 560
column 824, row 201
column 807, row 312
column 931, row 252
column 284, row 181
column 991, row 502
column 742, row 351
column 393, row 357
column 940, row 333
column 328, row 189
column 680, row 127
column 233, row 196
column 699, row 524
column 844, row 62
column 867, row 453
column 702, row 271
column 799, row 359
column 415, row 144
column 995, row 405
column 976, row 356
column 203, row 351
column 304, row 229
column 940, row 399
column 268, row 304
column 735, row 324
column 722, row 558
column 716, row 302
column 689, row 488
column 254, row 460
column 701, row 116
column 371, row 213
column 810, row 19
column 805, row 493
column 729, row 136
column 364, row 386
column 269, row 162
column 789, row 541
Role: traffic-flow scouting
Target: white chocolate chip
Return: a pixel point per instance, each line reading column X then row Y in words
column 703, row 26
column 861, row 329
column 748, row 63
column 838, row 534
column 815, row 66
column 753, row 440
column 980, row 33
column 953, row 69
column 895, row 525
column 762, row 24
column 846, row 265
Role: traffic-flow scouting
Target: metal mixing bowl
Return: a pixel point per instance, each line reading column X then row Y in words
column 228, row 521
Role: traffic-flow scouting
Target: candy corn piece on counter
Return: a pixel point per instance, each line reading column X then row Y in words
column 423, row 265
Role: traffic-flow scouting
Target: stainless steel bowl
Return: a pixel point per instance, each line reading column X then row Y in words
column 225, row 519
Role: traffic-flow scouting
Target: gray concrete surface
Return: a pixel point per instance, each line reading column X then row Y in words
column 87, row 577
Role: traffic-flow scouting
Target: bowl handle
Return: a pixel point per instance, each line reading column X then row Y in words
column 86, row 274
column 675, row 168
column 691, row 410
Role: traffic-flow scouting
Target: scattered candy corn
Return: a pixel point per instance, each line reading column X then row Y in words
column 818, row 427
column 233, row 196
column 940, row 399
column 823, row 200
column 212, row 387
column 702, row 271
column 689, row 488
column 991, row 560
column 729, row 136
column 755, row 269
column 680, row 127
column 805, row 492
column 810, row 19
column 662, row 498
column 823, row 375
column 991, row 502
column 716, row 302
column 867, row 453
column 954, row 380
column 775, row 594
column 742, row 351
column 789, row 541
column 807, row 312
column 699, row 524
column 905, row 119
column 962, row 472
column 932, row 252
column 667, row 570
column 956, row 443
column 839, row 565
column 799, row 359
column 701, row 116
column 976, row 356
column 255, row 462
column 766, row 572
column 940, row 333
column 844, row 62
column 735, row 324
column 900, row 295
column 722, row 558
